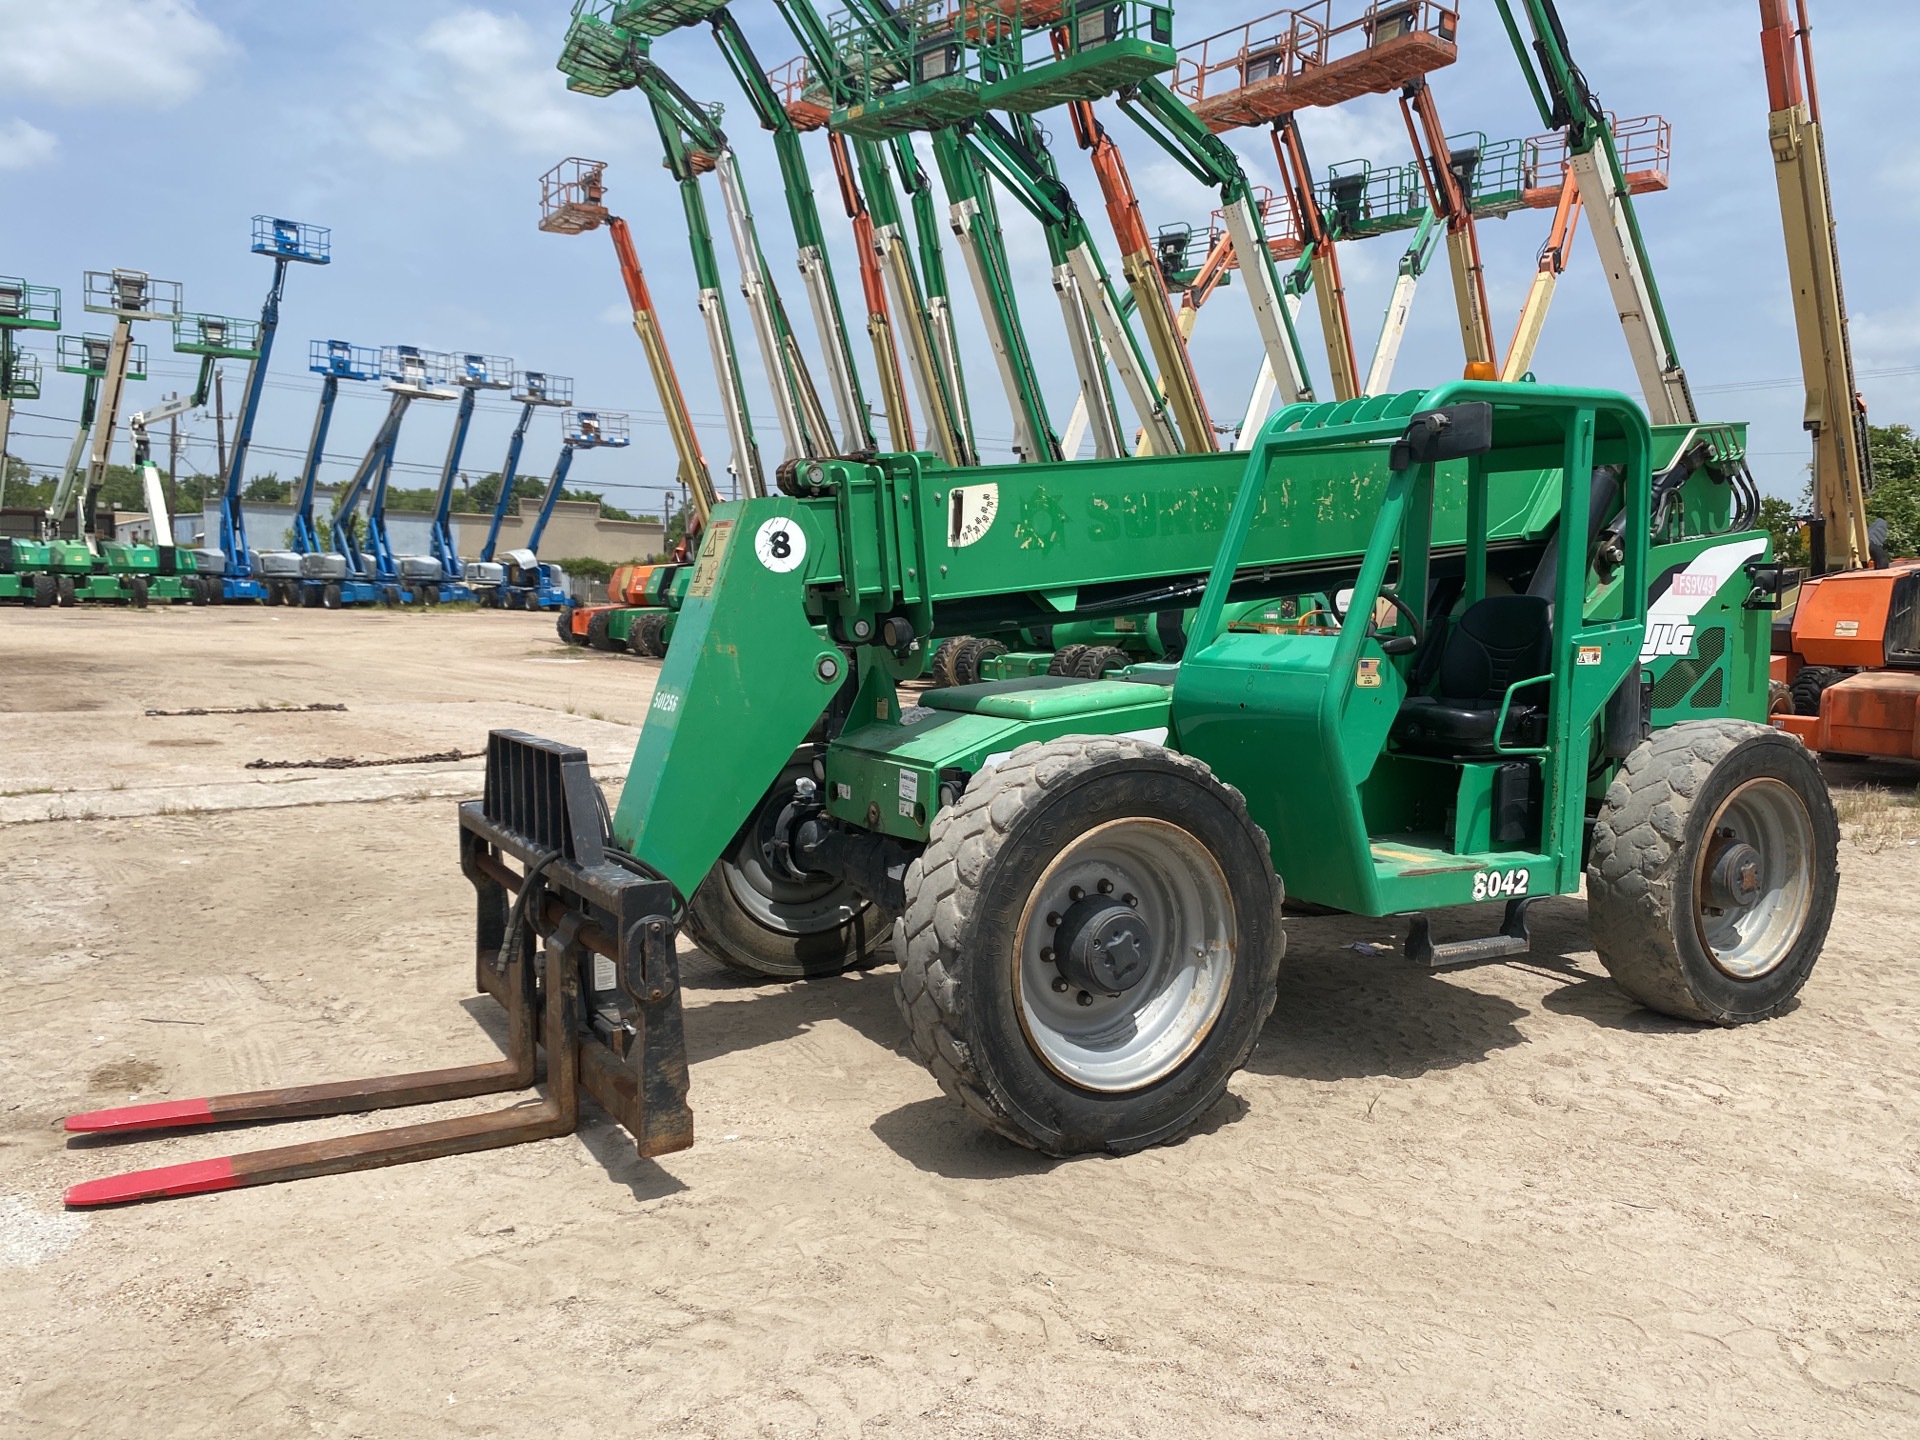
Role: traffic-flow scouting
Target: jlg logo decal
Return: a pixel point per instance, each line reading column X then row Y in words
column 1666, row 637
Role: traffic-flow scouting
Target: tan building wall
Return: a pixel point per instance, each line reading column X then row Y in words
column 576, row 529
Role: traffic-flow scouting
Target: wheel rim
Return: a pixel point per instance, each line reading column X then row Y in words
column 1753, row 883
column 791, row 907
column 1115, row 1043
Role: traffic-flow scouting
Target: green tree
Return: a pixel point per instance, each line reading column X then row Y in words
column 1894, row 451
column 268, row 489
column 1782, row 520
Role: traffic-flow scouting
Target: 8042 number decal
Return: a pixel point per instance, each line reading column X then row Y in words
column 1500, row 884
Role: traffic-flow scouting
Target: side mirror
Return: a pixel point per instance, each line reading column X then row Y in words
column 1450, row 434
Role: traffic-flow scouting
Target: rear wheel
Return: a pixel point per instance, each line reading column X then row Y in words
column 45, row 591
column 137, row 592
column 599, row 633
column 430, row 596
column 275, row 596
column 940, row 668
column 64, row 591
column 1714, row 871
column 1091, row 945
column 331, row 598
column 1098, row 659
column 563, row 626
column 751, row 918
column 649, row 637
column 1065, row 659
column 198, row 590
column 1810, row 684
column 970, row 655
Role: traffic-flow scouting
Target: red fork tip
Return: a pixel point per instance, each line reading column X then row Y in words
column 164, row 1115
column 196, row 1178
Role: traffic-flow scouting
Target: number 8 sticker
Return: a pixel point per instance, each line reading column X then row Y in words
column 781, row 544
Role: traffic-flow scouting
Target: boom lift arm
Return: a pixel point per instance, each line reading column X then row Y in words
column 534, row 388
column 926, row 313
column 1566, row 103
column 1553, row 264
column 1211, row 161
column 477, row 373
column 694, row 140
column 1393, row 329
column 1291, row 151
column 1448, row 199
column 1146, row 281
column 810, row 238
column 1835, row 416
column 285, row 242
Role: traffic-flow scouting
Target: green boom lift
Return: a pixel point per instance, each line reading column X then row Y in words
column 25, row 560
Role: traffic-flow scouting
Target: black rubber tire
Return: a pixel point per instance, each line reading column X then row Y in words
column 199, row 589
column 64, row 592
column 940, row 667
column 390, row 596
column 1641, row 871
column 138, row 592
column 965, row 896
column 332, row 598
column 969, row 658
column 717, row 921
column 1096, row 660
column 430, row 596
column 1779, row 698
column 45, row 592
column 275, row 595
column 1065, row 659
column 309, row 597
column 1810, row 684
column 648, row 637
column 563, row 626
column 599, row 635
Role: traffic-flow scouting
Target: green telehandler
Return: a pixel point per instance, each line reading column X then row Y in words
column 1549, row 665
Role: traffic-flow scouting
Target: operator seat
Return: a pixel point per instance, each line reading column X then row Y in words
column 1498, row 640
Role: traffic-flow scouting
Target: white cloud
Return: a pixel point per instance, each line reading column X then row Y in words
column 134, row 52
column 477, row 76
column 22, row 146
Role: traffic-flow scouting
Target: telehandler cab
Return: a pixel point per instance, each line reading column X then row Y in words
column 1552, row 664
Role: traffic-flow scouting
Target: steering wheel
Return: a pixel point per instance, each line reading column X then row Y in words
column 1398, row 644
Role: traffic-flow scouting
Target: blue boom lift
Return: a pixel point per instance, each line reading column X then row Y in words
column 286, row 242
column 530, row 584
column 369, row 574
column 286, row 573
column 486, row 577
column 471, row 374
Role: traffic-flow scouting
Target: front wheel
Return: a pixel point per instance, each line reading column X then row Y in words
column 1714, row 871
column 1092, row 943
column 752, row 918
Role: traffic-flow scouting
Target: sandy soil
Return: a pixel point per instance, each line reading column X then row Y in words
column 1496, row 1202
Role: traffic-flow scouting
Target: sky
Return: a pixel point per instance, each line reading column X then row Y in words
column 144, row 134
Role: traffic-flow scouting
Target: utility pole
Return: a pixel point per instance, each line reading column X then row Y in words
column 173, row 468
column 220, row 419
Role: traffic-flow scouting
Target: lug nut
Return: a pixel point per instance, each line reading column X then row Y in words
column 1106, row 887
column 1076, row 893
column 1046, row 953
column 1130, row 901
column 1054, row 919
column 1084, row 998
column 1059, row 986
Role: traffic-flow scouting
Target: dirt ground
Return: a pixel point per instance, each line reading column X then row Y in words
column 1495, row 1202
